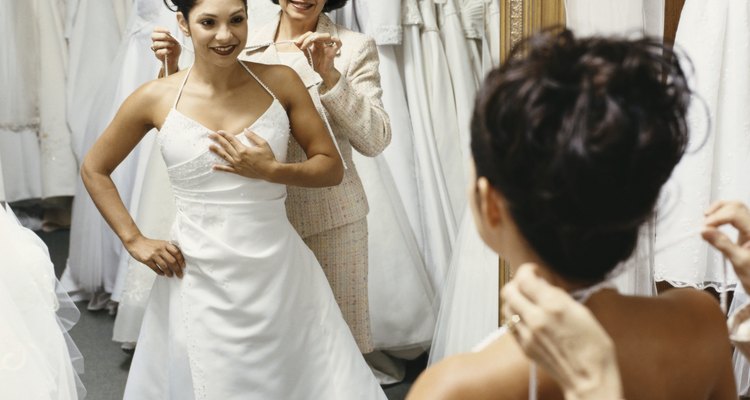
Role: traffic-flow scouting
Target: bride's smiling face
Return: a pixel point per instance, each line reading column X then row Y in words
column 218, row 30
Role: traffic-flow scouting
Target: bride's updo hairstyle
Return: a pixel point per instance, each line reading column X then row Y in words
column 579, row 135
column 184, row 6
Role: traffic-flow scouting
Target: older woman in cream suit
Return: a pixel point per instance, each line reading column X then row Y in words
column 340, row 69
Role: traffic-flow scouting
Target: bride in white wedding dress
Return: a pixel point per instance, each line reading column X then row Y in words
column 244, row 310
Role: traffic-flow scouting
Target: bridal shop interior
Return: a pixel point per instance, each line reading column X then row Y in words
column 395, row 268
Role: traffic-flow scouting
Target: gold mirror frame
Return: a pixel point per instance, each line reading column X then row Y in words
column 518, row 20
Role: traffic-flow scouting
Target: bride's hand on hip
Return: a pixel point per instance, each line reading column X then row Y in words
column 161, row 256
column 256, row 161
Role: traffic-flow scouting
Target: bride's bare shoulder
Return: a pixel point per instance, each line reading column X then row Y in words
column 498, row 372
column 162, row 88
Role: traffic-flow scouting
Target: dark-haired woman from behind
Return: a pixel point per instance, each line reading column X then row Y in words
column 572, row 143
column 241, row 309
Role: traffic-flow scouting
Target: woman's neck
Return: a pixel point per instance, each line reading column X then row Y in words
column 218, row 78
column 290, row 29
column 521, row 255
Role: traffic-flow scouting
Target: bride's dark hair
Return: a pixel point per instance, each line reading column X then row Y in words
column 184, row 6
column 579, row 135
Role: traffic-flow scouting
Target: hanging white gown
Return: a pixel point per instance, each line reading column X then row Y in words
column 716, row 37
column 96, row 267
column 438, row 216
column 467, row 309
column 254, row 316
column 151, row 201
column 93, row 30
column 464, row 75
column 443, row 114
column 59, row 169
column 39, row 360
column 19, row 116
column 605, row 17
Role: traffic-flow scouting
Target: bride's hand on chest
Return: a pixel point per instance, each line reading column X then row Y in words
column 256, row 161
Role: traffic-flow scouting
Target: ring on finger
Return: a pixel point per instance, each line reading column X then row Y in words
column 512, row 323
column 330, row 44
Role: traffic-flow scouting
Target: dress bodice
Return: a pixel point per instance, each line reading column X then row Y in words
column 185, row 145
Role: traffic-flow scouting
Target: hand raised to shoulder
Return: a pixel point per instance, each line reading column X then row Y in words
column 736, row 214
column 562, row 336
column 324, row 48
column 163, row 44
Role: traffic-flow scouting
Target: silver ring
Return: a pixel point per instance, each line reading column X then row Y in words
column 514, row 320
column 331, row 44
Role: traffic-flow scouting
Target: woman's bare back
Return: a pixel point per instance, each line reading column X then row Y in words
column 673, row 346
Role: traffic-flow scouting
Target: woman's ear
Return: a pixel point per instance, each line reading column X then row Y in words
column 491, row 204
column 182, row 21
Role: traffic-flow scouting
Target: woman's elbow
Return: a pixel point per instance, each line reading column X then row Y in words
column 86, row 171
column 336, row 173
column 89, row 171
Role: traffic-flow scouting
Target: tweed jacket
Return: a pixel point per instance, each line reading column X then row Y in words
column 354, row 110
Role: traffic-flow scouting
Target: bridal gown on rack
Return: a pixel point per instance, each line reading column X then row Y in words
column 468, row 307
column 93, row 29
column 19, row 117
column 716, row 37
column 58, row 164
column 150, row 201
column 97, row 264
column 253, row 317
column 433, row 183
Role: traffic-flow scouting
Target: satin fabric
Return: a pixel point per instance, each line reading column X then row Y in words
column 253, row 317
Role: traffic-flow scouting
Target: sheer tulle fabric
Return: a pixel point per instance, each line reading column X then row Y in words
column 38, row 360
column 469, row 309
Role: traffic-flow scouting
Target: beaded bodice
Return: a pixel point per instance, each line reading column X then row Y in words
column 185, row 147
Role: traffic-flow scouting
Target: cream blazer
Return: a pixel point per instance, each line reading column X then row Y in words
column 354, row 110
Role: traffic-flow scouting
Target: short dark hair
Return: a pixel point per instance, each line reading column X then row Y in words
column 579, row 135
column 184, row 6
column 330, row 4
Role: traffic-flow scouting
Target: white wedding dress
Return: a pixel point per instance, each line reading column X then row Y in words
column 38, row 360
column 716, row 37
column 253, row 317
column 632, row 18
column 19, row 116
